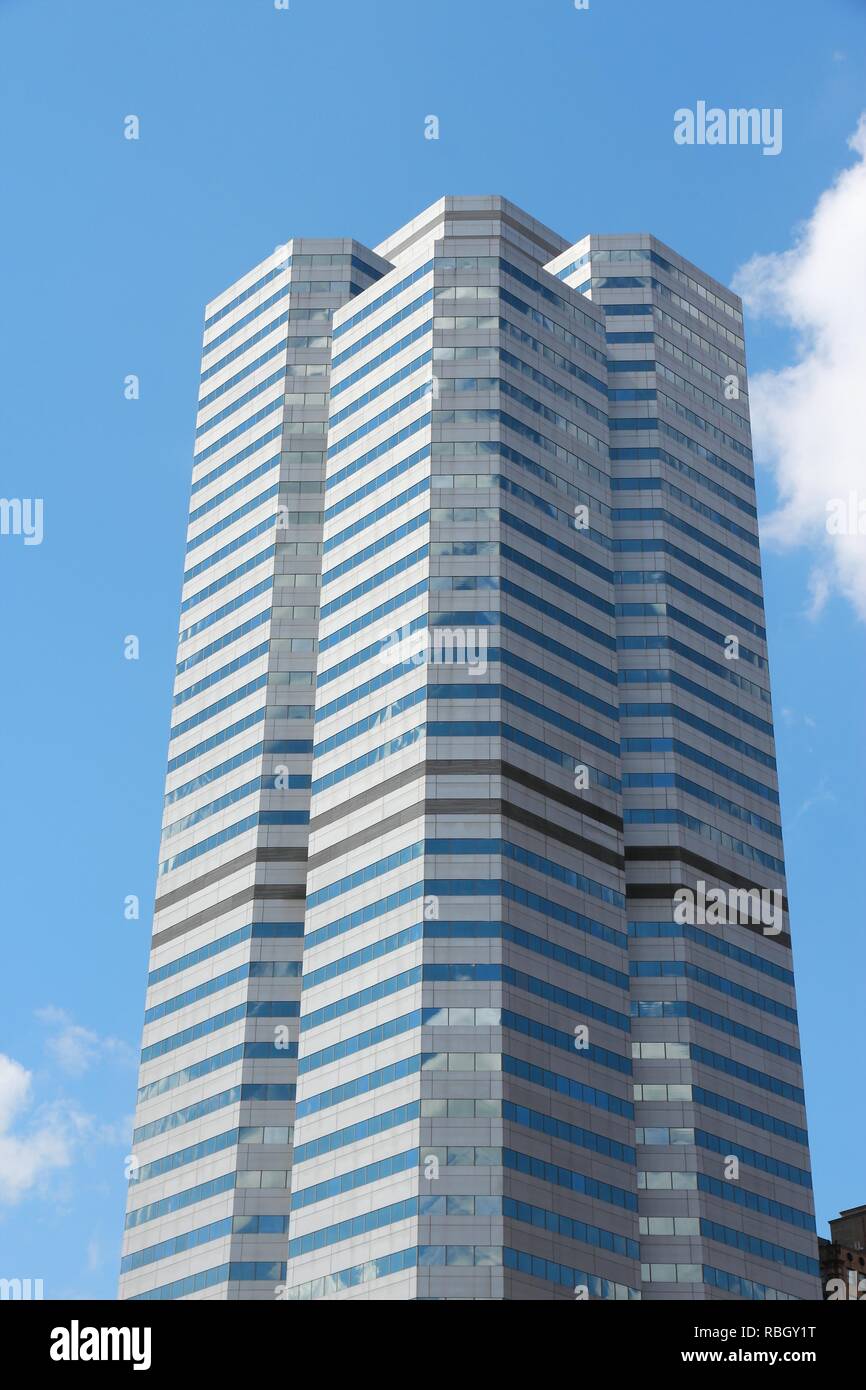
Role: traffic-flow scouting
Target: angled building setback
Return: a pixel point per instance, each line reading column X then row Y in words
column 471, row 971
column 723, row 1162
column 209, row 1195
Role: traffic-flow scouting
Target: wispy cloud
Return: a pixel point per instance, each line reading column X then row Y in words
column 76, row 1049
column 33, row 1141
column 41, row 1142
column 822, row 796
column 95, row 1254
column 793, row 717
column 807, row 417
column 43, row 1145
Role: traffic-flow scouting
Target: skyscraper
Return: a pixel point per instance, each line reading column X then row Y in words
column 217, row 1083
column 472, row 738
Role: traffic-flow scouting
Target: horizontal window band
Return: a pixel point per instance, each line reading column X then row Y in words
column 289, row 891
column 463, row 767
column 263, row 854
column 664, row 892
column 260, row 892
column 654, row 853
column 470, row 807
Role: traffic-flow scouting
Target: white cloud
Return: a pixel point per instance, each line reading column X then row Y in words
column 822, row 796
column 37, row 1141
column 820, row 589
column 76, row 1049
column 807, row 418
column 95, row 1254
column 31, row 1144
column 793, row 717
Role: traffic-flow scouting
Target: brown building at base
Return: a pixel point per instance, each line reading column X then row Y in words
column 843, row 1257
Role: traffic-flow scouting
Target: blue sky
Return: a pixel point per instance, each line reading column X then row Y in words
column 257, row 125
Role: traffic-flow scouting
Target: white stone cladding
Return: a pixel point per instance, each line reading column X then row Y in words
column 493, row 527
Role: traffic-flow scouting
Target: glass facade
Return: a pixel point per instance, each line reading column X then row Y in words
column 474, row 693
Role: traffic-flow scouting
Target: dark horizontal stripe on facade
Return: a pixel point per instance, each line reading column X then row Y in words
column 262, row 854
column 464, row 806
column 667, row 853
column 664, row 892
column 260, row 892
column 467, row 767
